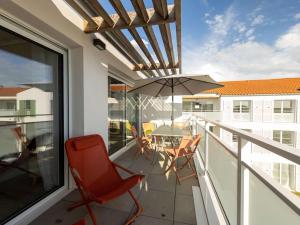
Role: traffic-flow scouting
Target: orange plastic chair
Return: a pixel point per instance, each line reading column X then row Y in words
column 143, row 144
column 80, row 222
column 186, row 149
column 96, row 176
column 148, row 128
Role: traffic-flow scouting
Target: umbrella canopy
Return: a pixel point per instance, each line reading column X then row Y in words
column 174, row 85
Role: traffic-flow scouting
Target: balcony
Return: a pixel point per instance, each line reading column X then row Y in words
column 237, row 185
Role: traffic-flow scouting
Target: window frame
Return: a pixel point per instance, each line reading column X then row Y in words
column 281, row 109
column 240, row 106
column 26, row 31
column 280, row 138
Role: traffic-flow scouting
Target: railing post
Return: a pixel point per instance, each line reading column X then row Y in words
column 242, row 185
column 239, row 182
column 206, row 127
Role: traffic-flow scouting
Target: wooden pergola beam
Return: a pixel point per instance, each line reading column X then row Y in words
column 157, row 66
column 121, row 41
column 132, row 20
column 134, row 33
column 82, row 13
column 96, row 19
column 178, row 32
column 140, row 8
column 161, row 7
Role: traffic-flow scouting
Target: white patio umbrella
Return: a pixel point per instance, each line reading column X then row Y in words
column 174, row 85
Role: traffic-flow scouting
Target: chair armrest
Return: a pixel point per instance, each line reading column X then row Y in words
column 122, row 168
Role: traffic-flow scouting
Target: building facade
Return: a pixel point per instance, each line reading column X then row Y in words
column 268, row 108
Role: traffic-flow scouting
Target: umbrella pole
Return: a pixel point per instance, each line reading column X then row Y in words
column 172, row 116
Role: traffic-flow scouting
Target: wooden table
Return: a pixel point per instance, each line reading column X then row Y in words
column 169, row 132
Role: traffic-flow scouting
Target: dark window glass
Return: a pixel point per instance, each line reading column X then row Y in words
column 123, row 112
column 31, row 133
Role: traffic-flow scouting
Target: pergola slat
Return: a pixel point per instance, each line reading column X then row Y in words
column 81, row 12
column 162, row 8
column 178, row 32
column 141, row 10
column 96, row 19
column 142, row 67
column 123, row 14
column 135, row 21
column 118, row 34
column 140, row 42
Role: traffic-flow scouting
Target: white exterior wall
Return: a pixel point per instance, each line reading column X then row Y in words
column 263, row 121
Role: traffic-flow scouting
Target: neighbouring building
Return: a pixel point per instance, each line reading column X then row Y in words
column 269, row 108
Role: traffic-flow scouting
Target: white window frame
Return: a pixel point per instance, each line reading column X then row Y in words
column 15, row 25
column 281, row 135
column 240, row 106
column 281, row 106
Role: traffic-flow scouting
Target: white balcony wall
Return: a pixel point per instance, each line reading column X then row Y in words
column 227, row 108
column 267, row 110
column 257, row 107
column 88, row 67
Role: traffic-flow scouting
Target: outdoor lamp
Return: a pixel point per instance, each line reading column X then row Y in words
column 99, row 44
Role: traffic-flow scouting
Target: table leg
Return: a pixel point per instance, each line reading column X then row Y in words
column 155, row 150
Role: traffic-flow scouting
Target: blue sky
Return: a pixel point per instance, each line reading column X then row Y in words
column 235, row 40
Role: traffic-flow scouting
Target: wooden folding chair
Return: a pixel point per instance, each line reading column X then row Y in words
column 96, row 176
column 185, row 150
column 143, row 143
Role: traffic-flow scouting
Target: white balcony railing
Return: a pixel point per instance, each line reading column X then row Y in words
column 243, row 192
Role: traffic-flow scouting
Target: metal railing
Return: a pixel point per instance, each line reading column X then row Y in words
column 246, row 194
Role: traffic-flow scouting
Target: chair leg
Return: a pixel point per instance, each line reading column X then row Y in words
column 92, row 215
column 76, row 205
column 139, row 209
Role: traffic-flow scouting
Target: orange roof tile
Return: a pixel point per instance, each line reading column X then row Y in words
column 11, row 91
column 259, row 87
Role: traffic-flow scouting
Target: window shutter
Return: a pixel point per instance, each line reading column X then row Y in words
column 32, row 107
column 22, row 107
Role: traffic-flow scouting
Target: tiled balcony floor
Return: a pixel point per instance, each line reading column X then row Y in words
column 164, row 201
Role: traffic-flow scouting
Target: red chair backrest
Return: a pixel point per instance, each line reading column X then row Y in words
column 89, row 157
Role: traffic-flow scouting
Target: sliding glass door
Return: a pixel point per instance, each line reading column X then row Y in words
column 31, row 123
column 123, row 109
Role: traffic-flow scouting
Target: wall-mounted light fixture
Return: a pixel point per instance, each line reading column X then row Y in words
column 99, row 44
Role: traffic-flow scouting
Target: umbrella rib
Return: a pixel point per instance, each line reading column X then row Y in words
column 159, row 91
column 186, row 88
column 142, row 86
